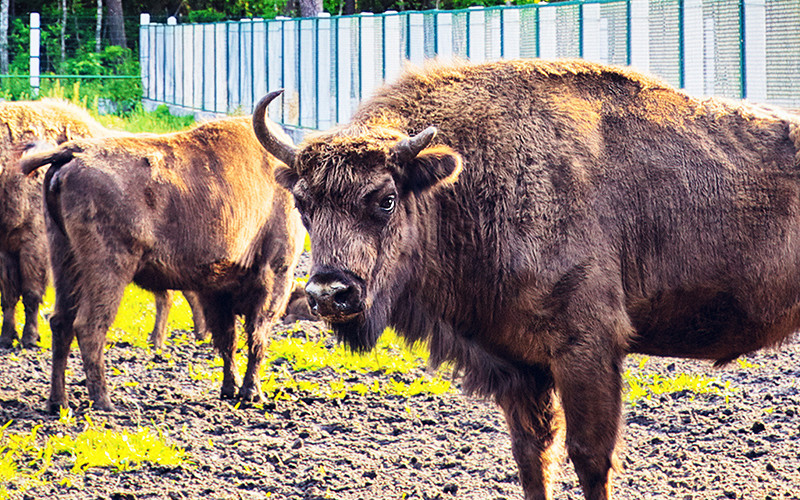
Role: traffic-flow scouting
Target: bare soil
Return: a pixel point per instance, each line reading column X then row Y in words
column 677, row 446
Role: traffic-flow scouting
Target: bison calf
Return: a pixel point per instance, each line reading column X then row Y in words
column 197, row 210
column 535, row 221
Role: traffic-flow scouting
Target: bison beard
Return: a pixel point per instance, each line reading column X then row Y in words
column 599, row 212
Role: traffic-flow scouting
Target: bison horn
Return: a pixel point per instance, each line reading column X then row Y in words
column 277, row 148
column 409, row 148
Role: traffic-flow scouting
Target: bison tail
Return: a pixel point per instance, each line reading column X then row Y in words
column 33, row 158
column 56, row 158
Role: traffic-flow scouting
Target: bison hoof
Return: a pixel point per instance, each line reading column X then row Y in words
column 30, row 341
column 202, row 335
column 251, row 394
column 103, row 404
column 6, row 341
column 55, row 407
column 228, row 392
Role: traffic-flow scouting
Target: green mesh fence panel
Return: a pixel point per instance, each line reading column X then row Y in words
column 328, row 65
column 568, row 31
column 722, row 48
column 783, row 52
column 614, row 25
column 665, row 43
column 529, row 33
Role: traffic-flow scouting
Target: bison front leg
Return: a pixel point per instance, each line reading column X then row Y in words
column 589, row 381
column 9, row 295
column 256, row 329
column 221, row 322
column 163, row 305
column 536, row 424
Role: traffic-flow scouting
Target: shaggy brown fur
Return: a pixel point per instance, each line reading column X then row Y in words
column 24, row 265
column 197, row 210
column 597, row 212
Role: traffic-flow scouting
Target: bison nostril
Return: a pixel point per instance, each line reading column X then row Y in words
column 344, row 298
column 312, row 303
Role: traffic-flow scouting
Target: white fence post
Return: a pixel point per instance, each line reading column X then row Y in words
column 477, row 34
column 548, row 32
column 444, row 35
column 591, row 47
column 144, row 53
column 308, row 78
column 369, row 77
column 709, row 56
column 693, row 47
column 639, row 33
column 511, row 33
column 291, row 95
column 325, row 101
column 393, row 53
column 169, row 60
column 34, row 63
column 416, row 39
column 344, row 81
column 275, row 67
column 754, row 80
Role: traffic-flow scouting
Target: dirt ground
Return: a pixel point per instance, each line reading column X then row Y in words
column 676, row 446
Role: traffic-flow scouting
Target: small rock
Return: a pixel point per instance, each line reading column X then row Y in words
column 758, row 427
column 297, row 444
column 450, row 488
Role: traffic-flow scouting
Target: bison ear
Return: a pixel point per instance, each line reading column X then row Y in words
column 434, row 166
column 286, row 177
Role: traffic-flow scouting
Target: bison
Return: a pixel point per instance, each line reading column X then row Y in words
column 198, row 210
column 535, row 221
column 24, row 263
column 23, row 244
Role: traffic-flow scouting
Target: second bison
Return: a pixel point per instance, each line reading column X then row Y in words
column 198, row 210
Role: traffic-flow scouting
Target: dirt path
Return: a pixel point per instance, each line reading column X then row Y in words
column 676, row 446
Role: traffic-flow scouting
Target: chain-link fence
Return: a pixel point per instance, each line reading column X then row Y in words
column 745, row 48
column 53, row 55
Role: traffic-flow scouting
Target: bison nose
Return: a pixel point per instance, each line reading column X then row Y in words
column 333, row 299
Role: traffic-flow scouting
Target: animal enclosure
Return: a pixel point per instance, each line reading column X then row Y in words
column 326, row 65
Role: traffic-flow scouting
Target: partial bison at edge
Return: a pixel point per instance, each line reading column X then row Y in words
column 29, row 126
column 536, row 221
column 197, row 210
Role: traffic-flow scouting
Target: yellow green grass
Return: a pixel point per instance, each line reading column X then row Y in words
column 26, row 456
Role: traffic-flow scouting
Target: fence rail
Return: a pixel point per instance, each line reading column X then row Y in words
column 744, row 48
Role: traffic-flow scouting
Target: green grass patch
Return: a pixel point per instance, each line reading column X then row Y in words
column 26, row 457
column 642, row 385
column 119, row 450
column 294, row 356
column 160, row 121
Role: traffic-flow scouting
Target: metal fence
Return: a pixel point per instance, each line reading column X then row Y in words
column 744, row 48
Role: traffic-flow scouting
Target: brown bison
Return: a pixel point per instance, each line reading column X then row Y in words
column 560, row 216
column 198, row 210
column 24, row 264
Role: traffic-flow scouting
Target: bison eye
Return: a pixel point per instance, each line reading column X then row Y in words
column 387, row 204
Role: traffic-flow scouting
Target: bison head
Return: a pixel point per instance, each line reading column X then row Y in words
column 364, row 193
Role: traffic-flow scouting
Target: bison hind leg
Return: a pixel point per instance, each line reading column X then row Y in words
column 198, row 317
column 9, row 296
column 30, row 333
column 218, row 309
column 163, row 305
